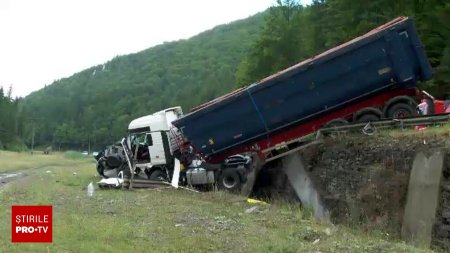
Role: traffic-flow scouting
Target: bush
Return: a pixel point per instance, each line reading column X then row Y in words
column 15, row 145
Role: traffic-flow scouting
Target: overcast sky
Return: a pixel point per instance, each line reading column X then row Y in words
column 45, row 40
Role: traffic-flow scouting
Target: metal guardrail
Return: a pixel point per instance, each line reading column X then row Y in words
column 290, row 151
column 367, row 128
column 392, row 123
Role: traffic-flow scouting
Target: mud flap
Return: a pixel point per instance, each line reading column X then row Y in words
column 256, row 166
column 176, row 173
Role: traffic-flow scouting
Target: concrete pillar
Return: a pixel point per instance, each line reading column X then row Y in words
column 423, row 196
column 303, row 186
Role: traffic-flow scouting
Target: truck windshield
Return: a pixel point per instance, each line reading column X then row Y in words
column 138, row 138
column 144, row 139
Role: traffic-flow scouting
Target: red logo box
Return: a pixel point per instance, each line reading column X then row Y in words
column 31, row 224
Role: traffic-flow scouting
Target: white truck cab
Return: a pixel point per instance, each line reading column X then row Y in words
column 153, row 147
column 149, row 139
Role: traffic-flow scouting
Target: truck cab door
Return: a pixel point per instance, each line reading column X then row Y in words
column 156, row 148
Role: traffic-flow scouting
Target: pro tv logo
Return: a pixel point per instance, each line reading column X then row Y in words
column 31, row 224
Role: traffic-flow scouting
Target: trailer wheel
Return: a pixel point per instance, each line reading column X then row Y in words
column 336, row 122
column 368, row 118
column 400, row 110
column 229, row 180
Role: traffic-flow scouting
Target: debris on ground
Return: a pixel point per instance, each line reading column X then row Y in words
column 328, row 231
column 251, row 209
column 90, row 190
column 110, row 182
column 256, row 201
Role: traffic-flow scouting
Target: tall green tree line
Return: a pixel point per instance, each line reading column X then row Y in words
column 13, row 128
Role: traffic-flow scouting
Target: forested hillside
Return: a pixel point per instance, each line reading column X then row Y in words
column 97, row 104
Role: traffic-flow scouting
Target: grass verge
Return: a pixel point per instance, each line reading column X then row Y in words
column 13, row 161
column 169, row 220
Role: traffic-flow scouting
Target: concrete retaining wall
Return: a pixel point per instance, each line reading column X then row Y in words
column 364, row 180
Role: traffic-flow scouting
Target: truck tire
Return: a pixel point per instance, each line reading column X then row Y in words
column 229, row 180
column 368, row 118
column 400, row 110
column 157, row 175
column 100, row 170
column 368, row 110
column 336, row 122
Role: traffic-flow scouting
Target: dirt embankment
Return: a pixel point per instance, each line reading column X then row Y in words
column 364, row 179
column 441, row 230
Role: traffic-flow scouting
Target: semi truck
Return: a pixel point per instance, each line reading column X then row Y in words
column 149, row 151
column 369, row 78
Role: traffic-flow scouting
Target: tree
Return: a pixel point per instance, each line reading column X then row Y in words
column 442, row 79
column 279, row 44
column 11, row 121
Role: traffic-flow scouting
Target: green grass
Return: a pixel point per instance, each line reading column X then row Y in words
column 430, row 130
column 75, row 155
column 12, row 161
column 168, row 220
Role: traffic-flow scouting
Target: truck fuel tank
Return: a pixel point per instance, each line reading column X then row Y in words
column 197, row 175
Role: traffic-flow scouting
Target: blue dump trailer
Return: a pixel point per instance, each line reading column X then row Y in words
column 370, row 77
